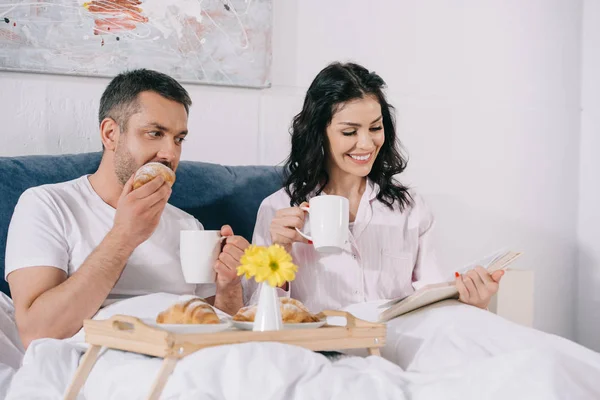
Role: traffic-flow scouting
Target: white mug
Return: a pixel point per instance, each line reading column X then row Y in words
column 329, row 218
column 198, row 252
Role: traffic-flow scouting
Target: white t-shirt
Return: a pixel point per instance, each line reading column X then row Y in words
column 60, row 225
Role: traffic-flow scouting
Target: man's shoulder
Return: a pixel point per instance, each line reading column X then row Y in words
column 54, row 192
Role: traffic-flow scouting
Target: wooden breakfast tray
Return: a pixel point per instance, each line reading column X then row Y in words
column 128, row 333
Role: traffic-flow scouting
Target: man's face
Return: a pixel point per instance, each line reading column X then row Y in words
column 154, row 133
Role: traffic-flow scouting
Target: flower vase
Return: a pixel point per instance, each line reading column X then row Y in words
column 268, row 313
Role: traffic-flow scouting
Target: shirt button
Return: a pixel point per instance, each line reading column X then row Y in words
column 354, row 256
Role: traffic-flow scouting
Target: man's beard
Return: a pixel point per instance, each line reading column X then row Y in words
column 125, row 165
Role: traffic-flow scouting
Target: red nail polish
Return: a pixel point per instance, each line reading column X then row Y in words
column 310, row 242
column 456, row 274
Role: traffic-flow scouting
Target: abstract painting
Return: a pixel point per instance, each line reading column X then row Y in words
column 225, row 42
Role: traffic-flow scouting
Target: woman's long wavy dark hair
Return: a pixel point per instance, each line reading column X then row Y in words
column 306, row 165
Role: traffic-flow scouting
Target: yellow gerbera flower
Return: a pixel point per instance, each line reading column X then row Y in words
column 277, row 267
column 272, row 264
column 250, row 261
column 252, row 255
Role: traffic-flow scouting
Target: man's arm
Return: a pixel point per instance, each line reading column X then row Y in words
column 48, row 304
column 230, row 299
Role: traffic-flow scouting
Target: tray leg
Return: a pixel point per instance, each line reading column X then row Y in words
column 374, row 351
column 81, row 375
column 166, row 369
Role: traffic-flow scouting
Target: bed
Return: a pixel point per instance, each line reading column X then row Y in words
column 448, row 350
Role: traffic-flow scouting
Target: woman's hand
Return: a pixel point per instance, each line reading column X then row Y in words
column 477, row 286
column 284, row 224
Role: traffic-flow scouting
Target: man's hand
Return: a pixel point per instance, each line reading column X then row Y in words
column 139, row 211
column 229, row 289
column 229, row 259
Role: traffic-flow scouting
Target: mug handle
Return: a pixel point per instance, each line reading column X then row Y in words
column 304, row 235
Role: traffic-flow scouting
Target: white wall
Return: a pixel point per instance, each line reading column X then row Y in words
column 487, row 94
column 588, row 307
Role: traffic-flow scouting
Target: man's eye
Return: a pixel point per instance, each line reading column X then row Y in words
column 180, row 140
column 154, row 134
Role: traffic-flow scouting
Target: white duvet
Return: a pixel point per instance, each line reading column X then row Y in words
column 449, row 351
column 11, row 350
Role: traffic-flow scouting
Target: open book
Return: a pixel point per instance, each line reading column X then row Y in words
column 433, row 293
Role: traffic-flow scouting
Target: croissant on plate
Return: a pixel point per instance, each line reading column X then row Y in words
column 292, row 311
column 194, row 311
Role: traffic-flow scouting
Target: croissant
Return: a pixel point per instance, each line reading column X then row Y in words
column 149, row 171
column 194, row 311
column 292, row 311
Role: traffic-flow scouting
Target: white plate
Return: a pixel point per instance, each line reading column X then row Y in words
column 247, row 326
column 189, row 328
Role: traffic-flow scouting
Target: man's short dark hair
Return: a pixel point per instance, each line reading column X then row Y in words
column 120, row 98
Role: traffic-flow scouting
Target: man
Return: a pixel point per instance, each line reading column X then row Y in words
column 75, row 246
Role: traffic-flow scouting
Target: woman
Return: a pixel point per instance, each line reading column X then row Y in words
column 344, row 143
